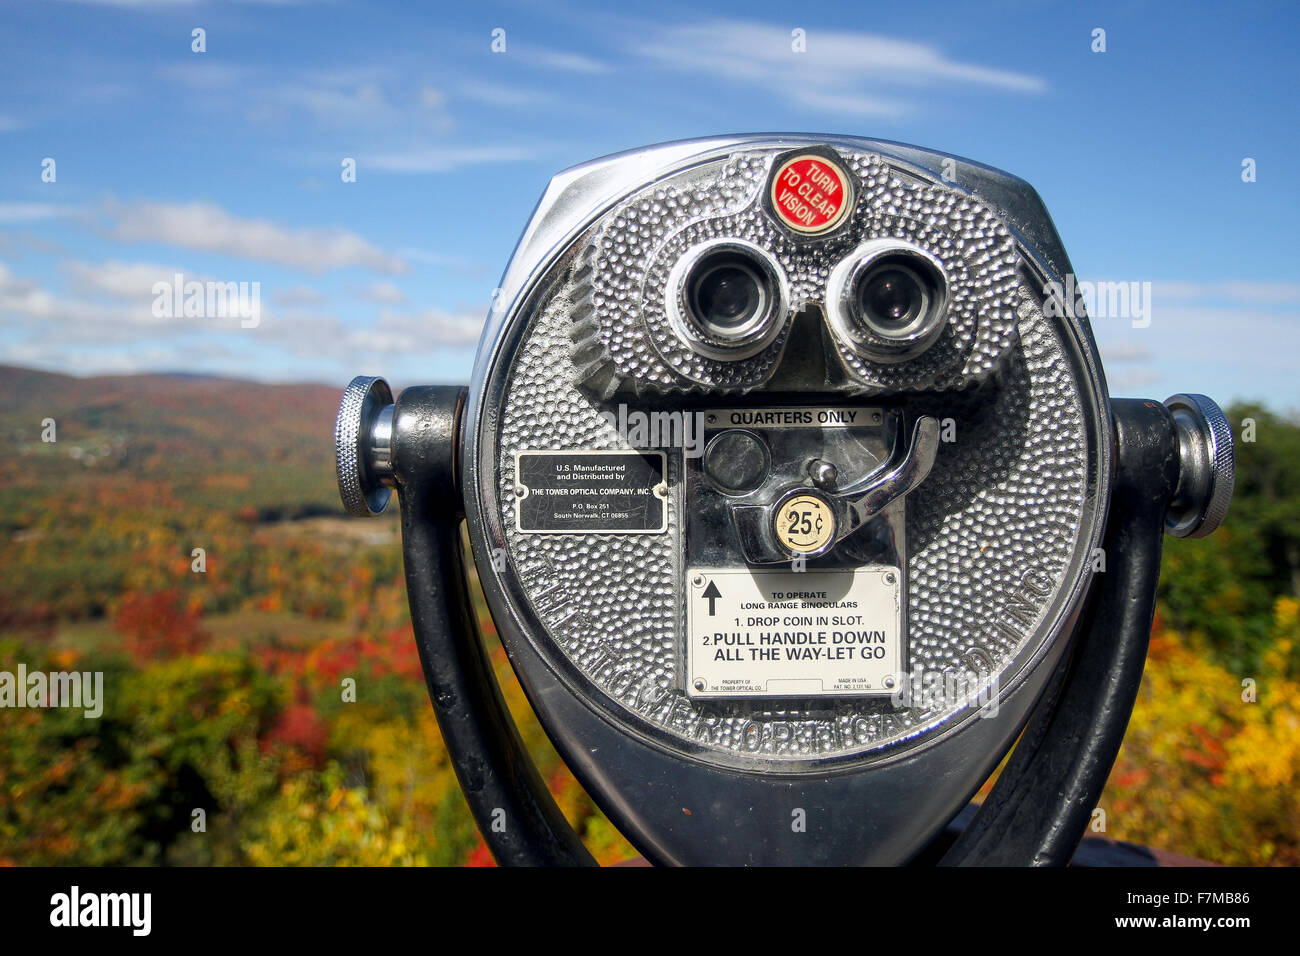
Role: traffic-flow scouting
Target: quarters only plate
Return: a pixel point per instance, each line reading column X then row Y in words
column 784, row 633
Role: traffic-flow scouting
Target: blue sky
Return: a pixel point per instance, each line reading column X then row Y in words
column 226, row 164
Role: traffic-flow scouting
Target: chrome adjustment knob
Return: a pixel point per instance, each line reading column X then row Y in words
column 1207, row 469
column 363, row 438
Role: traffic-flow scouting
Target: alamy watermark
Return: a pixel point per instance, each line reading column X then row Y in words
column 176, row 298
column 82, row 690
column 1098, row 300
column 930, row 690
column 133, row 911
column 684, row 430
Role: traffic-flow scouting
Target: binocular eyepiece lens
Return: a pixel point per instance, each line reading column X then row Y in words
column 890, row 298
column 887, row 301
column 727, row 299
column 725, row 293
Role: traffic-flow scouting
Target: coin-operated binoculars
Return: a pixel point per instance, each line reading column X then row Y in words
column 797, row 496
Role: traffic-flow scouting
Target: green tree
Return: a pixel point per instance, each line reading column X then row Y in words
column 1221, row 589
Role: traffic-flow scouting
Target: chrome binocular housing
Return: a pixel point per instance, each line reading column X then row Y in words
column 791, row 486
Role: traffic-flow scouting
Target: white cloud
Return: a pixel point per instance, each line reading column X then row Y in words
column 459, row 264
column 183, row 3
column 390, row 339
column 852, row 103
column 1258, row 293
column 841, row 72
column 121, row 280
column 372, row 99
column 1230, row 351
column 22, row 296
column 441, row 159
column 82, row 335
column 11, row 212
column 501, row 94
column 202, row 73
column 362, row 105
column 20, row 244
column 205, row 227
column 385, row 293
column 363, row 102
column 48, row 323
column 135, row 3
column 25, row 305
column 1126, row 352
column 298, row 296
column 563, row 60
column 445, row 329
column 1130, row 380
column 70, row 358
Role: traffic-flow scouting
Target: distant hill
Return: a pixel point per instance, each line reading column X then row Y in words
column 176, row 428
column 227, row 417
column 142, row 469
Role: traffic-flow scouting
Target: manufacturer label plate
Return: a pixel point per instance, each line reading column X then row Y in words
column 793, row 634
column 591, row 492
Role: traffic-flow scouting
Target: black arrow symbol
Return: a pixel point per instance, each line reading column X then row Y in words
column 711, row 592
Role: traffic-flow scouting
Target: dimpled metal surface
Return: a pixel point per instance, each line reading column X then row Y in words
column 641, row 240
column 997, row 521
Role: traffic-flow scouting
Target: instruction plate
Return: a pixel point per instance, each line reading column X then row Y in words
column 753, row 633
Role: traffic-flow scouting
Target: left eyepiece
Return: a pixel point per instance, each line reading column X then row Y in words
column 727, row 299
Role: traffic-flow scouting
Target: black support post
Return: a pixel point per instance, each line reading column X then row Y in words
column 1042, row 803
column 515, row 813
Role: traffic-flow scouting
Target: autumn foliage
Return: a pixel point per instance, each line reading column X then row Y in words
column 159, row 625
column 279, row 690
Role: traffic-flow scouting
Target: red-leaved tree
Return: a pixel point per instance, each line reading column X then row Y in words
column 159, row 625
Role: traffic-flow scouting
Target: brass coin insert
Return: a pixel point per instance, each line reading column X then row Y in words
column 805, row 524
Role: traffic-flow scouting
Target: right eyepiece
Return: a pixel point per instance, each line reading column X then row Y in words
column 888, row 300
